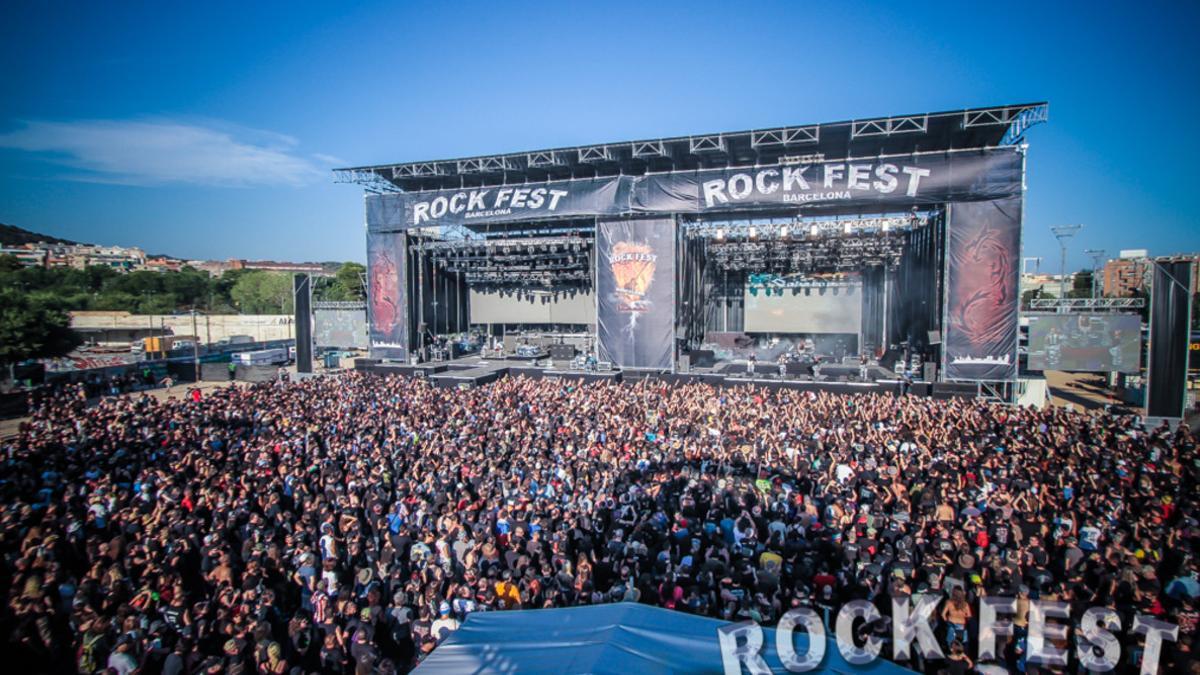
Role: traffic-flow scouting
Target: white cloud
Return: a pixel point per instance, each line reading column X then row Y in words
column 154, row 152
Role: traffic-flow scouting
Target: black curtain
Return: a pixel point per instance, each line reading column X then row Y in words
column 872, row 308
column 1170, row 315
column 692, row 289
column 915, row 302
column 725, row 300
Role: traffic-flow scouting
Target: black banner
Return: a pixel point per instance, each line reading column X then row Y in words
column 635, row 284
column 387, row 302
column 983, row 251
column 895, row 182
column 500, row 204
column 899, row 181
column 1170, row 315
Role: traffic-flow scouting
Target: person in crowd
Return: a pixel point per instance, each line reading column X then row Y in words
column 352, row 523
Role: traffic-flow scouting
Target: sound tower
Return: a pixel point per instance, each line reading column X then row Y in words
column 302, row 297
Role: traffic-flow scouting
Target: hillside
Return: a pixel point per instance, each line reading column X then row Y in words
column 11, row 235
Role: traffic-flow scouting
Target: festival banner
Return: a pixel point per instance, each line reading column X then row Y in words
column 983, row 248
column 498, row 204
column 890, row 182
column 387, row 276
column 635, row 284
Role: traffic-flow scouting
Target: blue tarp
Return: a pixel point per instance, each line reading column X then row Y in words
column 623, row 638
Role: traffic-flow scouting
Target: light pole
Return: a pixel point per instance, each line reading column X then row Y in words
column 1063, row 233
column 1097, row 256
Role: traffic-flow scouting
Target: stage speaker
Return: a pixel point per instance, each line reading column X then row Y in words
column 930, row 371
column 935, row 337
column 562, row 352
column 302, row 297
column 685, row 363
column 703, row 358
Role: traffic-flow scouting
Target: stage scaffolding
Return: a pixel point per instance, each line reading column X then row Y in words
column 887, row 249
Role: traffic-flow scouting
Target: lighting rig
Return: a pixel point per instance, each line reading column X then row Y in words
column 548, row 263
column 807, row 245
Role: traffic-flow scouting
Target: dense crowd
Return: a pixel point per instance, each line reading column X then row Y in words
column 349, row 524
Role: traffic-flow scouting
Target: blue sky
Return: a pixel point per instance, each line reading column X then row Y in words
column 207, row 130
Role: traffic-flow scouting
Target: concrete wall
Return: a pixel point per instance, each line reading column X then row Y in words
column 116, row 328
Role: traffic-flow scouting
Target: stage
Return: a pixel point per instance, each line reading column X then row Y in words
column 894, row 241
column 474, row 372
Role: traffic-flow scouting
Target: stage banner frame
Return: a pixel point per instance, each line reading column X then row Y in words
column 387, row 294
column 980, row 328
column 635, row 292
column 886, row 182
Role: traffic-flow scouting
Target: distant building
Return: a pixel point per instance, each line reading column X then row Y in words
column 1132, row 271
column 1127, row 274
column 29, row 255
column 116, row 257
column 1047, row 283
column 163, row 264
column 294, row 268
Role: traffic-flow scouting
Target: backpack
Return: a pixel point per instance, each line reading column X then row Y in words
column 87, row 659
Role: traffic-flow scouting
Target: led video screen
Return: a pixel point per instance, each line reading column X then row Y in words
column 1096, row 343
column 341, row 328
column 818, row 311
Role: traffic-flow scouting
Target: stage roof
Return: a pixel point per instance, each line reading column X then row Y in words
column 904, row 134
column 622, row 638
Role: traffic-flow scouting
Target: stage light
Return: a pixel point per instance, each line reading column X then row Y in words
column 814, row 230
column 783, row 232
column 887, row 225
column 753, row 232
column 720, row 233
column 846, row 228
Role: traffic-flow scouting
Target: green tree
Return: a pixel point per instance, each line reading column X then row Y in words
column 1032, row 294
column 189, row 286
column 348, row 280
column 29, row 330
column 113, row 301
column 263, row 292
column 9, row 264
column 1081, row 285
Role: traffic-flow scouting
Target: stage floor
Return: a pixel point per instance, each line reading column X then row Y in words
column 474, row 371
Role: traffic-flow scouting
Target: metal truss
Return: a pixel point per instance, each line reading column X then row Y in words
column 594, row 154
column 890, row 126
column 785, row 136
column 488, row 164
column 703, row 144
column 339, row 304
column 1087, row 304
column 512, row 243
column 544, row 160
column 367, row 178
column 419, row 170
column 982, row 125
column 804, row 227
column 991, row 116
column 648, row 149
column 1023, row 120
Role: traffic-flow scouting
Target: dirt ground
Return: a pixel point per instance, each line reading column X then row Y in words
column 1085, row 391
